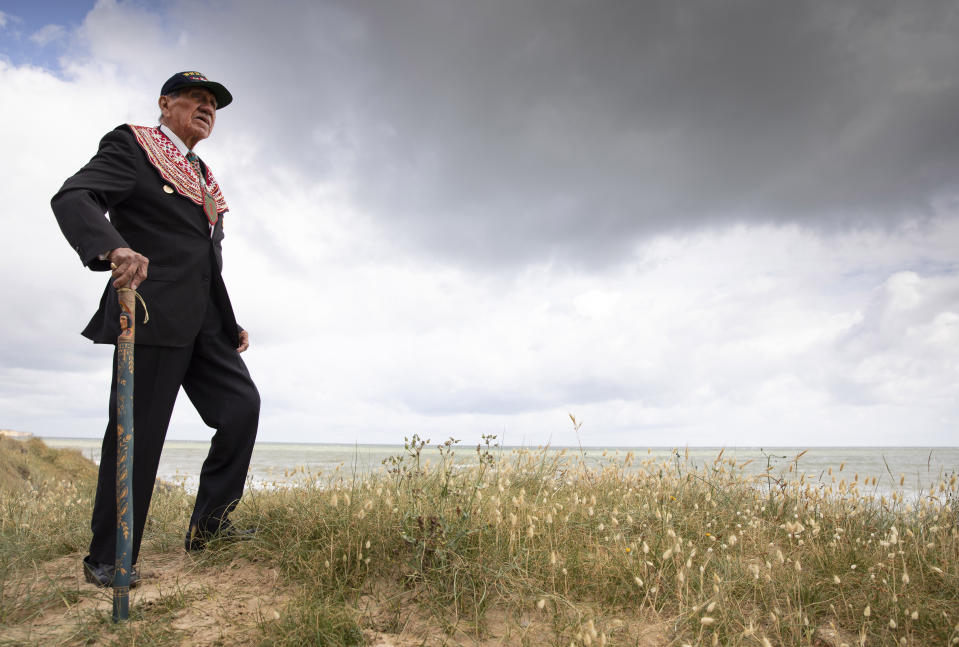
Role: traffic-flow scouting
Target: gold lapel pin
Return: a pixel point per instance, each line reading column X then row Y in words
column 167, row 188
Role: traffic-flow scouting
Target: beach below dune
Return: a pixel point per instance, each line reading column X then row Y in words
column 910, row 470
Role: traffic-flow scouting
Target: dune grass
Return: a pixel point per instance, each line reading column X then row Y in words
column 728, row 559
column 534, row 547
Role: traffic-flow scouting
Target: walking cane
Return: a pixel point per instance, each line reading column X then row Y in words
column 124, row 489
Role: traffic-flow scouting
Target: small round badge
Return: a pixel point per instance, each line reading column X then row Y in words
column 167, row 188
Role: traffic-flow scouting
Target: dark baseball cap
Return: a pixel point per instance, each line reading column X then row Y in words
column 182, row 80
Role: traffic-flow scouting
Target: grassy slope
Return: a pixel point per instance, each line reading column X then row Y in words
column 29, row 463
column 530, row 548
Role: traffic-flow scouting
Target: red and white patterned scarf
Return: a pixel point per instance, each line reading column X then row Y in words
column 174, row 167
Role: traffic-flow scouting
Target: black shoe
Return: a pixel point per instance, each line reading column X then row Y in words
column 198, row 539
column 102, row 574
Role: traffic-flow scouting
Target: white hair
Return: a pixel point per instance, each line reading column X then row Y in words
column 172, row 94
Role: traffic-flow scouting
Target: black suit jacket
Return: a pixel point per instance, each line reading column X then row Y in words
column 168, row 228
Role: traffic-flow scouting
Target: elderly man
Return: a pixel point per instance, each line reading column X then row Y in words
column 163, row 239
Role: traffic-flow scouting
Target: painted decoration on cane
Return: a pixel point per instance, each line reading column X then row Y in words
column 124, row 484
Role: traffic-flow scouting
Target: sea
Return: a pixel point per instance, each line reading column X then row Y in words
column 911, row 471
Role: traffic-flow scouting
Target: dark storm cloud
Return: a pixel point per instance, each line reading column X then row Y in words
column 519, row 130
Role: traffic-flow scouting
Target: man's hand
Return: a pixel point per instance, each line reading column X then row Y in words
column 129, row 268
column 244, row 341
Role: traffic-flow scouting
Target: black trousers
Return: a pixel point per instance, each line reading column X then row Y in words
column 216, row 380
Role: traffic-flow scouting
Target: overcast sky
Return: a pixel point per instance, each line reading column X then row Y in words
column 725, row 223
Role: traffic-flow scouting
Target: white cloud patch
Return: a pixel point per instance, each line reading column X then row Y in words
column 500, row 293
column 48, row 34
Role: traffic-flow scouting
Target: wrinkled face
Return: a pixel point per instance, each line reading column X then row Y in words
column 190, row 114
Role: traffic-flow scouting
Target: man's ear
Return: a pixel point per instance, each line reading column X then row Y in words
column 163, row 102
